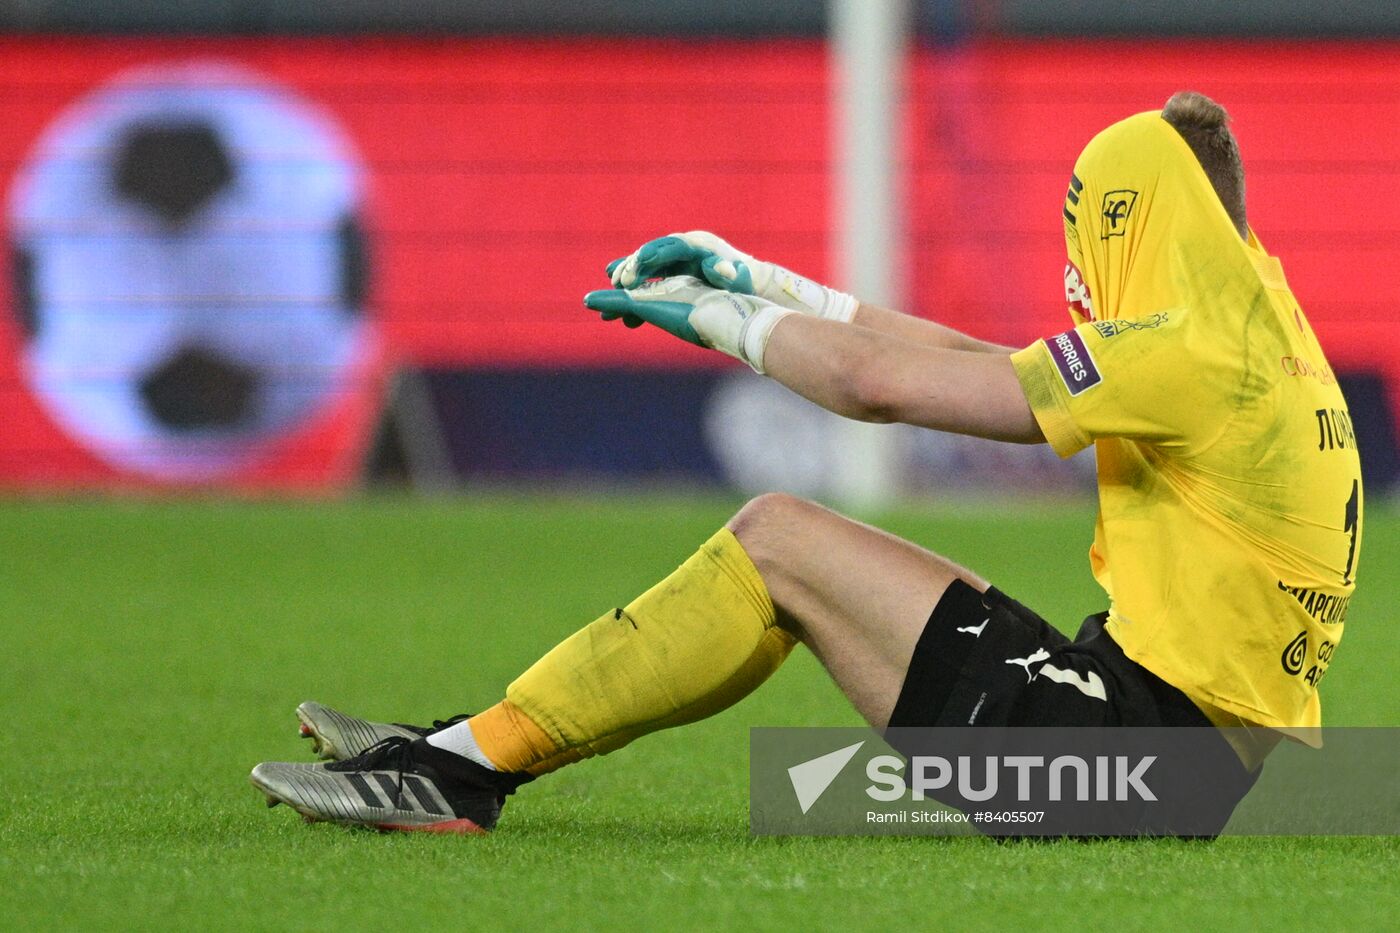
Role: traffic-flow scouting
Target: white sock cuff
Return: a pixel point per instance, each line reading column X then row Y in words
column 460, row 740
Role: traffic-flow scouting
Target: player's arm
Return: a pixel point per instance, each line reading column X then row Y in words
column 712, row 260
column 871, row 376
column 849, row 369
column 918, row 330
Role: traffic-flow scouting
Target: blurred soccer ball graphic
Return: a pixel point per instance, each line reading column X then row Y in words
column 189, row 268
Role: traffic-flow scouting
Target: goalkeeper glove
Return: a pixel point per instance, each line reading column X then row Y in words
column 705, row 256
column 686, row 307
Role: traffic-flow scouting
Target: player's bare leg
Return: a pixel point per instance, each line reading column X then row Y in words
column 857, row 596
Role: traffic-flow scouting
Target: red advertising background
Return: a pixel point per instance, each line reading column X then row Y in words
column 506, row 173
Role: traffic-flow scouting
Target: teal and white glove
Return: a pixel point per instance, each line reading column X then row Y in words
column 705, row 256
column 686, row 307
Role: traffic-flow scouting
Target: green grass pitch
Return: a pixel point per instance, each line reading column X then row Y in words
column 154, row 652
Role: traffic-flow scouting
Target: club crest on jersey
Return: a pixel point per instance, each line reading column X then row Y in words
column 1077, row 293
column 1072, row 359
column 1117, row 208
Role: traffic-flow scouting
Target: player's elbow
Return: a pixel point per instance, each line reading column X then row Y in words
column 871, row 396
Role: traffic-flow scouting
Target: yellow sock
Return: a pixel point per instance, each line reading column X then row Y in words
column 510, row 739
column 692, row 645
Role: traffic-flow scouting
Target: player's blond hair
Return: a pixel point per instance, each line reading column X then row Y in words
column 1205, row 126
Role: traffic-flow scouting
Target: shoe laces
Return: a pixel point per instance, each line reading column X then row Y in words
column 437, row 726
column 391, row 754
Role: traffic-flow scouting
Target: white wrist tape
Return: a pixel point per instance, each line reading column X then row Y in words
column 794, row 291
column 757, row 331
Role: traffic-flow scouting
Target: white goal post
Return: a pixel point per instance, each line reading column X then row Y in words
column 869, row 40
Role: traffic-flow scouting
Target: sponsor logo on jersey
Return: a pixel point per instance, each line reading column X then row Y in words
column 1325, row 608
column 1117, row 208
column 1294, row 654
column 1113, row 328
column 1077, row 293
column 1304, row 368
column 1072, row 359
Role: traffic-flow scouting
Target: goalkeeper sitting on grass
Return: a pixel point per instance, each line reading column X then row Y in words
column 1227, row 539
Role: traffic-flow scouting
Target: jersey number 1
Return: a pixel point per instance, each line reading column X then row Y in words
column 1352, row 526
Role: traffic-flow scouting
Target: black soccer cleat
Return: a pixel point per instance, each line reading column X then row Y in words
column 336, row 736
column 398, row 784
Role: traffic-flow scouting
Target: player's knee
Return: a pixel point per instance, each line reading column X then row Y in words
column 763, row 512
column 765, row 522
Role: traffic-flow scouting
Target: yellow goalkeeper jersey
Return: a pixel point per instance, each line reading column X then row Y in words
column 1229, row 523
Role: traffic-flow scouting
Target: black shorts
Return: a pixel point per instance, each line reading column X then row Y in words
column 986, row 660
